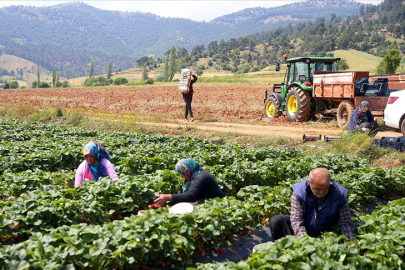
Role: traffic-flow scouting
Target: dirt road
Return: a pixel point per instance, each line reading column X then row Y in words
column 265, row 129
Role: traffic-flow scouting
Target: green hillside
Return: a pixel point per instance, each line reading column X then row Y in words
column 357, row 61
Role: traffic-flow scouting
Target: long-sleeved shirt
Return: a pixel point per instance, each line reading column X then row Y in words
column 203, row 187
column 358, row 118
column 190, row 87
column 297, row 219
column 81, row 171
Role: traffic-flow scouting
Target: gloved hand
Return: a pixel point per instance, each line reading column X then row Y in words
column 365, row 129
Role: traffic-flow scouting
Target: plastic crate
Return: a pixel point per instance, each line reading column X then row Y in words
column 311, row 138
column 330, row 139
column 390, row 139
column 394, row 143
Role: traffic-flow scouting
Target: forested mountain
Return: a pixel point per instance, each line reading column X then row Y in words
column 375, row 30
column 68, row 37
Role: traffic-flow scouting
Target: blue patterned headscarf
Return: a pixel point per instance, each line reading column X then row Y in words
column 190, row 169
column 96, row 150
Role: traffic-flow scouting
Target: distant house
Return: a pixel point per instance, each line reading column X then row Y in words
column 381, row 31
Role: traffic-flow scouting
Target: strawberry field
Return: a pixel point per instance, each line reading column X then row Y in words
column 45, row 223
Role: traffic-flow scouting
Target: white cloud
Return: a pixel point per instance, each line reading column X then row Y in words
column 191, row 9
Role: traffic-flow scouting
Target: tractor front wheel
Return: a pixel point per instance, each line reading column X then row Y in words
column 272, row 108
column 344, row 113
column 298, row 105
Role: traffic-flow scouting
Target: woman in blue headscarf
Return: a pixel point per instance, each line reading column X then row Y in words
column 199, row 185
column 363, row 120
column 96, row 164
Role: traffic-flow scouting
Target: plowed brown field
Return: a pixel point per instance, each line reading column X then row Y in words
column 236, row 101
column 223, row 107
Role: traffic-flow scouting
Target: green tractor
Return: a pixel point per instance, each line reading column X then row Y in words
column 294, row 95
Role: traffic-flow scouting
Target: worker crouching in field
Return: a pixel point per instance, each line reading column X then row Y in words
column 363, row 120
column 199, row 185
column 317, row 205
column 96, row 164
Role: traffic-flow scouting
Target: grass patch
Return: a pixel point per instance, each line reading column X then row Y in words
column 19, row 112
column 359, row 61
column 358, row 144
column 348, row 143
column 74, row 118
column 43, row 116
column 223, row 79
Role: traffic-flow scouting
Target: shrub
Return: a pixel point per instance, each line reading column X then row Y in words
column 59, row 112
column 120, row 81
column 44, row 85
column 161, row 77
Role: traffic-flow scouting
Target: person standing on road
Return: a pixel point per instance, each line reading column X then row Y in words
column 188, row 97
column 363, row 120
column 96, row 164
column 317, row 205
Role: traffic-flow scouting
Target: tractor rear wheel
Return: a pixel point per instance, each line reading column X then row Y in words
column 298, row 105
column 272, row 108
column 344, row 113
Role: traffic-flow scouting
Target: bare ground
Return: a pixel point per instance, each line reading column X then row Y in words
column 230, row 108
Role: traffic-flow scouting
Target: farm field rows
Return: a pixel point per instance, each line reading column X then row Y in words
column 210, row 101
column 233, row 108
column 45, row 223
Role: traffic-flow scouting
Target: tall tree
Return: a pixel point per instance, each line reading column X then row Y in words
column 91, row 72
column 390, row 62
column 173, row 66
column 38, row 75
column 109, row 70
column 145, row 74
column 53, row 77
column 167, row 68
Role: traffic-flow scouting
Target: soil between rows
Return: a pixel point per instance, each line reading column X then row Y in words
column 223, row 107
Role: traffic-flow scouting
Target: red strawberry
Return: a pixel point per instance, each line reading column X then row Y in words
column 229, row 250
column 200, row 250
column 218, row 250
column 191, row 256
column 242, row 233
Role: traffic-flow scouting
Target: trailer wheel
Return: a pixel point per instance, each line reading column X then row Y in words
column 344, row 113
column 298, row 105
column 272, row 108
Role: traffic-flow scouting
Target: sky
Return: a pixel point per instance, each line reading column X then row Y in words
column 191, row 9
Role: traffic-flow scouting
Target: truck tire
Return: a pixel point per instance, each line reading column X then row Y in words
column 272, row 108
column 344, row 113
column 298, row 105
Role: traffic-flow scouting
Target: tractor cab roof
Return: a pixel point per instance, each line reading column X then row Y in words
column 313, row 59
